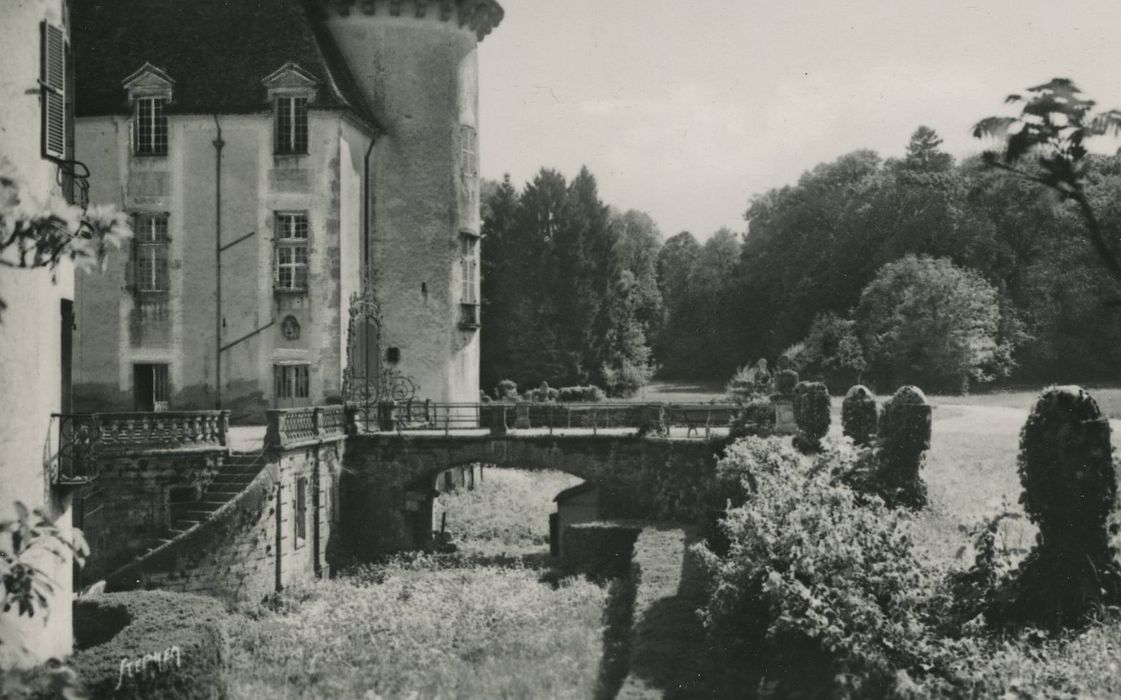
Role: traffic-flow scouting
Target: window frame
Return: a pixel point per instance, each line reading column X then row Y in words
column 300, row 511
column 293, row 119
column 468, row 151
column 292, row 251
column 158, row 126
column 289, row 378
column 151, row 244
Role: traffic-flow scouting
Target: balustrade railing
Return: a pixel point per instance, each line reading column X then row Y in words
column 290, row 426
column 676, row 420
column 82, row 436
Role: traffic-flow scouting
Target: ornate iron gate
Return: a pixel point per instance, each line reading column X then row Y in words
column 366, row 381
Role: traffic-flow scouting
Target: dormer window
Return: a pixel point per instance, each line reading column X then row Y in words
column 291, row 125
column 149, row 91
column 290, row 89
column 149, row 127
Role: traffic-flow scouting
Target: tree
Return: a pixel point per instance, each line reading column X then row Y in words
column 925, row 321
column 1052, row 128
column 832, row 351
column 923, row 153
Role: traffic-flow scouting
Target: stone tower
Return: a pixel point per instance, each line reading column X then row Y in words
column 416, row 62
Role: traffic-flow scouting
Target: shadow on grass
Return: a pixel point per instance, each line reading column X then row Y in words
column 618, row 617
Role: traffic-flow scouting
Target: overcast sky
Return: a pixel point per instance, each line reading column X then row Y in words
column 685, row 108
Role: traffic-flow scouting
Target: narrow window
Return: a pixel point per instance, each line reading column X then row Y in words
column 149, row 126
column 52, row 78
column 469, row 263
column 291, row 251
column 291, row 125
column 150, row 248
column 468, row 151
column 301, row 509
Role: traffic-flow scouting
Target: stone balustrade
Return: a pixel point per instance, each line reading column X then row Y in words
column 167, row 430
column 294, row 426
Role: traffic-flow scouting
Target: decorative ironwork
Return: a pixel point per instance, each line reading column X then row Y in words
column 75, row 463
column 365, row 381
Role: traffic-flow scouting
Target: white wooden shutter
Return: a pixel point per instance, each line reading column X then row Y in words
column 53, row 80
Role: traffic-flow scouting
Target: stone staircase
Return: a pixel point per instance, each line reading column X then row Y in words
column 238, row 470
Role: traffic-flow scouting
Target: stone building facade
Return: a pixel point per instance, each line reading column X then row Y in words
column 303, row 176
column 36, row 317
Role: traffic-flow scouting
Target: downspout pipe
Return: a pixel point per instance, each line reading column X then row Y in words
column 218, row 144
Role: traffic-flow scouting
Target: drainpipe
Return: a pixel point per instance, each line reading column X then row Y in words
column 366, row 209
column 218, row 144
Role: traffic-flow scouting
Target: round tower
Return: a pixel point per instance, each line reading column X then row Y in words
column 416, row 63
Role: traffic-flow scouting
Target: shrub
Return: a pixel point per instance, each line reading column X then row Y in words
column 152, row 625
column 859, row 415
column 542, row 394
column 580, row 394
column 904, row 437
column 832, row 350
column 626, row 379
column 820, row 590
column 1070, row 492
column 811, row 413
column 507, row 390
column 741, row 387
column 757, row 418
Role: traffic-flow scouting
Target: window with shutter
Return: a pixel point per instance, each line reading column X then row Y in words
column 53, row 82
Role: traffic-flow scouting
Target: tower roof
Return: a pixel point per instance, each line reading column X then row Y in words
column 216, row 51
column 481, row 16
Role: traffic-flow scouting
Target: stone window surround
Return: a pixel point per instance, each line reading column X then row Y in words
column 150, row 90
column 285, row 85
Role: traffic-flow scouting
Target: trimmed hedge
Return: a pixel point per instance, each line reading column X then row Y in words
column 580, row 394
column 811, row 413
column 150, row 644
column 859, row 415
column 903, row 440
column 756, row 418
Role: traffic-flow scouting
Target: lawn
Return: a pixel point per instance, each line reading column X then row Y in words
column 424, row 629
column 476, row 624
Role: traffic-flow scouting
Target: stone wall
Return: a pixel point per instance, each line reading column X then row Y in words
column 127, row 509
column 249, row 547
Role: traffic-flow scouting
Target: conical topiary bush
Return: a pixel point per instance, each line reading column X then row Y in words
column 859, row 415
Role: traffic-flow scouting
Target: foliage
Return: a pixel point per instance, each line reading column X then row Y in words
column 811, row 413
column 569, row 286
column 627, row 379
column 507, row 390
column 832, row 351
column 926, row 320
column 36, row 234
column 580, row 394
column 859, row 415
column 425, row 627
column 1054, row 123
column 23, row 584
column 1070, row 493
column 785, row 381
column 904, row 437
column 749, row 383
column 151, row 622
column 821, row 590
column 757, row 417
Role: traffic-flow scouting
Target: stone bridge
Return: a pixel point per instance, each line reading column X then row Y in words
column 387, row 485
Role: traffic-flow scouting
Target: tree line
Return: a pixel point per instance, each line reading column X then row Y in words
column 912, row 269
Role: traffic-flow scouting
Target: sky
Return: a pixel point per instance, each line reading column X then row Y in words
column 684, row 109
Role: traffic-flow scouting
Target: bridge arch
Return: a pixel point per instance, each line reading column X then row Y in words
column 640, row 477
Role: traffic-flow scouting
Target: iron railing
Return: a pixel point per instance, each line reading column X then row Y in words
column 291, row 426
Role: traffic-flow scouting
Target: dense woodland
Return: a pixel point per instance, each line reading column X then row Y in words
column 991, row 279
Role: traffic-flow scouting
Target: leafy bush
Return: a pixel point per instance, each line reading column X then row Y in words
column 507, row 390
column 542, row 394
column 175, row 643
column 757, row 418
column 580, row 394
column 1070, row 492
column 904, row 437
column 859, row 415
column 627, row 378
column 811, row 413
column 742, row 387
column 832, row 351
column 820, row 590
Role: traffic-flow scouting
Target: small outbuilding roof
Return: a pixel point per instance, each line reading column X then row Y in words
column 574, row 491
column 217, row 52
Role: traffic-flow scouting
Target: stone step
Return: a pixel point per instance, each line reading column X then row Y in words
column 201, row 512
column 222, row 478
column 182, row 525
column 228, row 489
